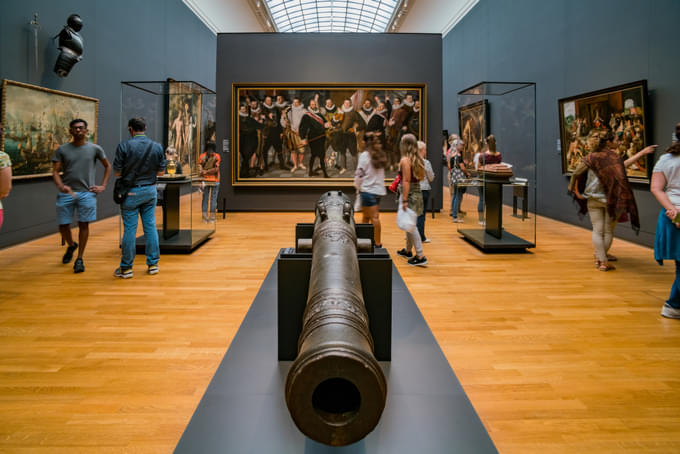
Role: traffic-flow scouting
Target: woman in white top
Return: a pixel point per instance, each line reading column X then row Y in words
column 370, row 181
column 425, row 188
column 666, row 188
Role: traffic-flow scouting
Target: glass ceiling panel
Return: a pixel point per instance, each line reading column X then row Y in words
column 335, row 16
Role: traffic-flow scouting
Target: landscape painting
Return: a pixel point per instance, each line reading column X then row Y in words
column 36, row 121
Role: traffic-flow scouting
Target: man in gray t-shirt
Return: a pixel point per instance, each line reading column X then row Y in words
column 74, row 175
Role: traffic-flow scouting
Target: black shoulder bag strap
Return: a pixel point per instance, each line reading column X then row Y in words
column 126, row 181
column 138, row 165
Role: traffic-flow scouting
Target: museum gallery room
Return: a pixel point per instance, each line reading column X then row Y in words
column 353, row 226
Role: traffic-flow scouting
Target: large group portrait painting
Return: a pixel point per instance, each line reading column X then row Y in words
column 36, row 122
column 313, row 134
column 621, row 108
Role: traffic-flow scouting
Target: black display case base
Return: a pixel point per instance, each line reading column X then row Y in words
column 244, row 409
column 183, row 242
column 489, row 243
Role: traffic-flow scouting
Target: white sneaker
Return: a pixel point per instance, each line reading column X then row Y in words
column 670, row 312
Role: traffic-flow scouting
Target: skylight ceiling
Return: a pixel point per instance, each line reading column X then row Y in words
column 337, row 16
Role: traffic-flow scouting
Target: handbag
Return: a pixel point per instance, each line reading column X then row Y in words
column 120, row 190
column 406, row 219
column 395, row 184
column 457, row 175
column 123, row 184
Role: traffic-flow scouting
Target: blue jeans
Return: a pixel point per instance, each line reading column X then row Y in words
column 420, row 222
column 210, row 198
column 142, row 200
column 674, row 299
column 458, row 192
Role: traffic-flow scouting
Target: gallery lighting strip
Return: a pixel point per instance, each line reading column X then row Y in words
column 332, row 16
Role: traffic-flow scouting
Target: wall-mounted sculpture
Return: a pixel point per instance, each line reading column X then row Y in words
column 70, row 45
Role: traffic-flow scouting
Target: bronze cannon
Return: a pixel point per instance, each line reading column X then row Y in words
column 335, row 389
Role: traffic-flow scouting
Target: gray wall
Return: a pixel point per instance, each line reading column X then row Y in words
column 320, row 58
column 124, row 40
column 570, row 47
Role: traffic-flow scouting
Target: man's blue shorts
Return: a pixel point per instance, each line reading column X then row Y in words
column 369, row 200
column 85, row 202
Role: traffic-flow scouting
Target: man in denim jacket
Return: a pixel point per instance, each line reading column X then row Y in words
column 142, row 195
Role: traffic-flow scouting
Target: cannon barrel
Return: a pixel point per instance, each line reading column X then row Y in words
column 335, row 389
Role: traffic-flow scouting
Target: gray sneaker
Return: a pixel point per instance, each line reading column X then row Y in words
column 670, row 312
column 123, row 273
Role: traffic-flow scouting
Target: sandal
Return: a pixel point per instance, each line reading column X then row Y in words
column 606, row 267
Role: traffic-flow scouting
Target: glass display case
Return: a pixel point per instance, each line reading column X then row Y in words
column 179, row 115
column 497, row 122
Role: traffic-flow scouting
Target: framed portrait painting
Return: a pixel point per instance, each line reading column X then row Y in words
column 473, row 124
column 36, row 120
column 184, row 120
column 312, row 134
column 623, row 108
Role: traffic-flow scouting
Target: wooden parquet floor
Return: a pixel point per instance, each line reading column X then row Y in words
column 555, row 356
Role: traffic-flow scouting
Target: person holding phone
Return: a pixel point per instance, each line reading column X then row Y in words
column 666, row 188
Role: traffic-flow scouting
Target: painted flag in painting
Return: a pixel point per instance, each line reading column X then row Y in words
column 357, row 99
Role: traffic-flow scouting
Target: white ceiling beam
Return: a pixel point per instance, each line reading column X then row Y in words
column 225, row 16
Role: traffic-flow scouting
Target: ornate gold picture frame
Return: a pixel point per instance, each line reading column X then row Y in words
column 311, row 134
column 35, row 121
column 623, row 108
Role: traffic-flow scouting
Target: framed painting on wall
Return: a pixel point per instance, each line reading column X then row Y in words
column 184, row 122
column 623, row 109
column 312, row 134
column 473, row 124
column 36, row 120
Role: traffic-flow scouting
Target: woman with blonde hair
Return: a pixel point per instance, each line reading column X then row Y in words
column 458, row 173
column 411, row 171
